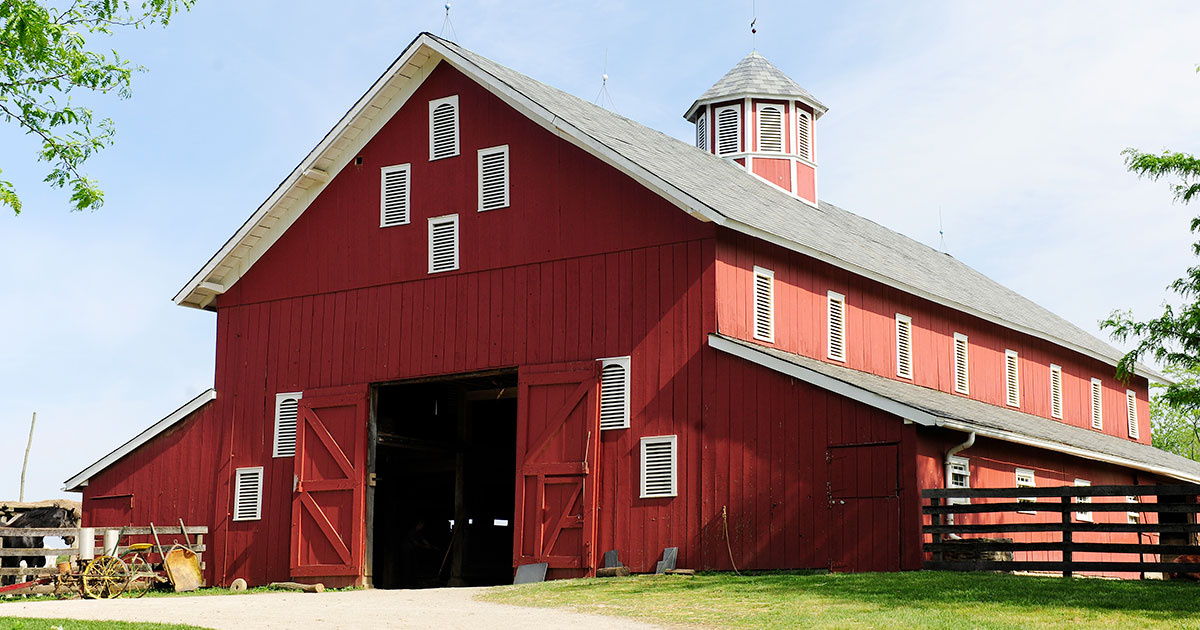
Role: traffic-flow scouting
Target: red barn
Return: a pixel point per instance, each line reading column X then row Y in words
column 485, row 323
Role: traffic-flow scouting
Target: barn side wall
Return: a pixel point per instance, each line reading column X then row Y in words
column 801, row 322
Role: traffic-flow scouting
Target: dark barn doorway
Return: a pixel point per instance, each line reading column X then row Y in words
column 443, row 474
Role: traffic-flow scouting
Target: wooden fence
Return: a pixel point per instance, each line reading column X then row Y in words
column 1174, row 508
column 167, row 534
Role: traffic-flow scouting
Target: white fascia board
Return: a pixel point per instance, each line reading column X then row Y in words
column 936, row 299
column 818, row 108
column 79, row 481
column 827, row 383
column 919, row 416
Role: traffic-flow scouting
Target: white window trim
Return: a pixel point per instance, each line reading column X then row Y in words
column 1012, row 395
column 834, row 296
column 737, row 131
column 958, row 460
column 457, row 126
column 1027, row 473
column 383, row 173
column 623, row 362
column 237, row 492
column 502, row 149
column 966, row 364
column 758, row 109
column 1056, row 399
column 1083, row 516
column 1133, row 518
column 1131, row 414
column 673, row 440
column 452, row 218
column 279, row 398
column 769, row 334
column 906, row 321
column 1096, row 396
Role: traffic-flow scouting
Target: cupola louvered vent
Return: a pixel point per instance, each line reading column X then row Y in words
column 837, row 327
column 658, row 466
column 729, row 130
column 286, row 408
column 803, row 135
column 394, row 195
column 1012, row 391
column 1131, row 412
column 247, row 494
column 443, row 243
column 614, row 393
column 764, row 304
column 1097, row 407
column 443, row 128
column 962, row 383
column 770, row 128
column 493, row 178
column 702, row 131
column 1056, row 409
column 904, row 368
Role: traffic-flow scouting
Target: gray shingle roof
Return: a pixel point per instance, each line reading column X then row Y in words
column 841, row 237
column 755, row 75
column 976, row 415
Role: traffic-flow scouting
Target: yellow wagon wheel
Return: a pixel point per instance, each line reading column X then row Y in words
column 141, row 577
column 104, row 577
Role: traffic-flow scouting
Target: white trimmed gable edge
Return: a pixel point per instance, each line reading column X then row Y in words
column 391, row 91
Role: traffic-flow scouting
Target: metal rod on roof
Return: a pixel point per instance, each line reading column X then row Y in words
column 21, row 495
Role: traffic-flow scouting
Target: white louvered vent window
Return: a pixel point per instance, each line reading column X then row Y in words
column 1025, row 479
column 837, row 327
column 443, row 128
column 904, row 358
column 286, row 407
column 1012, row 380
column 395, row 188
column 803, row 135
column 443, row 243
column 1097, row 408
column 247, row 494
column 493, row 178
column 658, row 466
column 702, row 131
column 960, row 477
column 1056, row 407
column 729, row 130
column 764, row 304
column 1131, row 412
column 962, row 381
column 770, row 128
column 614, row 393
column 1083, row 516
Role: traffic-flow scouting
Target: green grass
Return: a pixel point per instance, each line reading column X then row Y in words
column 924, row 599
column 15, row 623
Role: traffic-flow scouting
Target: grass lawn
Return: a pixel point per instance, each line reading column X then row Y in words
column 16, row 623
column 923, row 599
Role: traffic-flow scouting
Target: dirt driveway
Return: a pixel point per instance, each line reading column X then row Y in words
column 357, row 610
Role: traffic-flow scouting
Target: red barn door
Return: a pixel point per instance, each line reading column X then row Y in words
column 864, row 507
column 558, row 443
column 328, row 506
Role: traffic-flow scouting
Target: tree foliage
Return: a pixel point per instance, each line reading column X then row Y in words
column 1176, row 429
column 44, row 57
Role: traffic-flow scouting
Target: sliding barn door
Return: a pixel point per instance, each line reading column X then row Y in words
column 328, row 505
column 558, row 443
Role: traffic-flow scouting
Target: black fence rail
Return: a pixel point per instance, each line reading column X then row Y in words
column 1174, row 508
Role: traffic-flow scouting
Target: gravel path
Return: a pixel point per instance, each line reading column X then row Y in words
column 357, row 610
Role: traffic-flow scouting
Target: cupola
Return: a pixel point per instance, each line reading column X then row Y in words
column 759, row 118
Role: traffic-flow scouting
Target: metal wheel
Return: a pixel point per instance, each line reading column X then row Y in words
column 141, row 577
column 103, row 578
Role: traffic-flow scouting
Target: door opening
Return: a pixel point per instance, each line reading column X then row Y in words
column 445, row 461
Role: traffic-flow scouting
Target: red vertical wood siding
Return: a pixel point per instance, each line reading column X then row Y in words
column 801, row 288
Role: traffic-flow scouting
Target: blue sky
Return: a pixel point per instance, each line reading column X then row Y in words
column 1007, row 118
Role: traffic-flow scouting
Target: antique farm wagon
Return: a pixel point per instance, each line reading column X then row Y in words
column 485, row 323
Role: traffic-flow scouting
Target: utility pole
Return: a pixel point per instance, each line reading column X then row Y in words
column 26, row 464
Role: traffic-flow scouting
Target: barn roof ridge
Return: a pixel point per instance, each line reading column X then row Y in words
column 706, row 186
column 932, row 407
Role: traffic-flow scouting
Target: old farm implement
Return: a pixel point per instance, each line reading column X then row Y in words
column 130, row 569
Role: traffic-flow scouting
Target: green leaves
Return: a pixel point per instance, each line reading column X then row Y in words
column 1185, row 167
column 43, row 57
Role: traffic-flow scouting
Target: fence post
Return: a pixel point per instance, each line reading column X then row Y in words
column 936, row 519
column 1067, row 539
